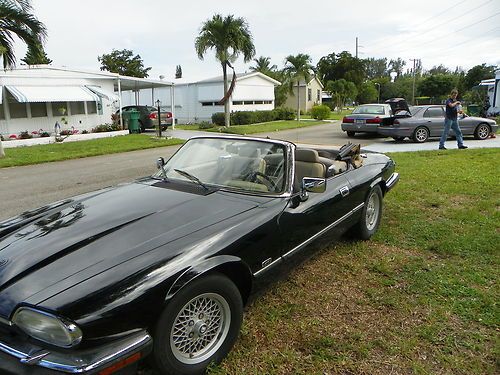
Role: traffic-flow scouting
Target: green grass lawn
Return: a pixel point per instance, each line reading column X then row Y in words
column 334, row 115
column 263, row 127
column 81, row 149
column 420, row 298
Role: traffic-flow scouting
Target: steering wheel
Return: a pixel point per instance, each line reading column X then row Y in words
column 266, row 180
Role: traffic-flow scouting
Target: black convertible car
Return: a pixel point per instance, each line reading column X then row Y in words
column 164, row 265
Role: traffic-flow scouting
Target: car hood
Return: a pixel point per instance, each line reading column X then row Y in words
column 94, row 232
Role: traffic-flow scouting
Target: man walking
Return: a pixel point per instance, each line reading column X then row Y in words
column 451, row 121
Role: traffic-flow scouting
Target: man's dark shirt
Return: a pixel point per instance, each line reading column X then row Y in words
column 451, row 112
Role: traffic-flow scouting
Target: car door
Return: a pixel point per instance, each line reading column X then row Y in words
column 433, row 119
column 303, row 221
column 467, row 125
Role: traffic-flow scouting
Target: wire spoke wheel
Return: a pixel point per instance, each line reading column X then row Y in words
column 482, row 131
column 200, row 328
column 372, row 211
column 421, row 135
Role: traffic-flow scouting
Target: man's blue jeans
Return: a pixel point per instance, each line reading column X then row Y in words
column 448, row 123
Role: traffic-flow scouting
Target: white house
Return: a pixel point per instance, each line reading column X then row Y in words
column 36, row 97
column 197, row 101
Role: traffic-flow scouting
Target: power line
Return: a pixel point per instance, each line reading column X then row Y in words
column 436, row 26
column 444, row 11
column 453, row 32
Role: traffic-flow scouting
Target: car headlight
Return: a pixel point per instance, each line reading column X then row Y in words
column 47, row 327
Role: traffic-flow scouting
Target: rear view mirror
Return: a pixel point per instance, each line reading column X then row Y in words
column 160, row 162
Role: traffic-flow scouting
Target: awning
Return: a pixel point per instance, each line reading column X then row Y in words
column 31, row 94
column 111, row 96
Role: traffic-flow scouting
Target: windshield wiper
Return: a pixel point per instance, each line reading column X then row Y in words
column 191, row 177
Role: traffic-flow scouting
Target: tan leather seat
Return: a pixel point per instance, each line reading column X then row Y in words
column 307, row 164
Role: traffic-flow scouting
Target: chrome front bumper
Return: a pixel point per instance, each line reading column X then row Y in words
column 392, row 181
column 86, row 361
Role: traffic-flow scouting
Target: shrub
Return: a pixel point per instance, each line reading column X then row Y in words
column 264, row 116
column 320, row 112
column 44, row 134
column 66, row 132
column 25, row 135
column 205, row 125
column 242, row 118
column 106, row 128
column 85, row 132
column 1, row 138
column 218, row 118
column 283, row 113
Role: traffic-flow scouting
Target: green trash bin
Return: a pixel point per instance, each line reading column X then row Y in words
column 133, row 123
column 473, row 110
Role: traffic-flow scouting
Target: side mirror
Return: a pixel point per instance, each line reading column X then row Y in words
column 313, row 185
column 160, row 162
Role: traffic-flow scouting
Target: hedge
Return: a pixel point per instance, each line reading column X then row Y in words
column 253, row 117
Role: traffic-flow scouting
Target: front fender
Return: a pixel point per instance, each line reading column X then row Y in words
column 232, row 267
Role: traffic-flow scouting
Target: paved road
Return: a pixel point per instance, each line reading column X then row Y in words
column 24, row 188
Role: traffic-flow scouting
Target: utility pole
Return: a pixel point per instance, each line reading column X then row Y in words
column 413, row 92
column 356, row 47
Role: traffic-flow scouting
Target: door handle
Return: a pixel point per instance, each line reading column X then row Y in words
column 344, row 191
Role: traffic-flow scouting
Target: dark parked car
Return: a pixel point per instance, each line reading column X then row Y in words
column 164, row 265
column 148, row 116
column 425, row 121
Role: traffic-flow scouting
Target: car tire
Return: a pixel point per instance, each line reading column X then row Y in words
column 142, row 127
column 399, row 139
column 482, row 132
column 421, row 134
column 351, row 134
column 198, row 326
column 370, row 215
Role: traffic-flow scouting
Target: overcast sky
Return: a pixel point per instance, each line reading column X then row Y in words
column 453, row 33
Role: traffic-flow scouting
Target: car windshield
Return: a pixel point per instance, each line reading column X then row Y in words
column 237, row 164
column 414, row 109
column 369, row 110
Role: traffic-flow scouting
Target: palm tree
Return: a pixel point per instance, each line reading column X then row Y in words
column 263, row 65
column 298, row 68
column 16, row 20
column 229, row 37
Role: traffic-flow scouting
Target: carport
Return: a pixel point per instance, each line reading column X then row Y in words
column 125, row 83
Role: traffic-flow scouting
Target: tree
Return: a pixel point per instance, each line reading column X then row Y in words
column 437, row 85
column 297, row 68
column 367, row 93
column 263, row 65
column 440, row 69
column 375, row 68
column 397, row 66
column 124, row 63
column 341, row 90
column 229, row 37
column 16, row 20
column 477, row 73
column 341, row 66
column 36, row 55
column 178, row 72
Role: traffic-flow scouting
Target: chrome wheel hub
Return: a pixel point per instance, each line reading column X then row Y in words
column 421, row 135
column 372, row 211
column 200, row 328
column 483, row 132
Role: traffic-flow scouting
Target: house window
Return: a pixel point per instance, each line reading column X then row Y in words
column 17, row 110
column 91, row 108
column 238, row 102
column 318, row 95
column 77, row 108
column 259, row 102
column 59, row 109
column 309, row 95
column 268, row 102
column 38, row 109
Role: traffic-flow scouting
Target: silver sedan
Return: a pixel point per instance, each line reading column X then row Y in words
column 428, row 121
